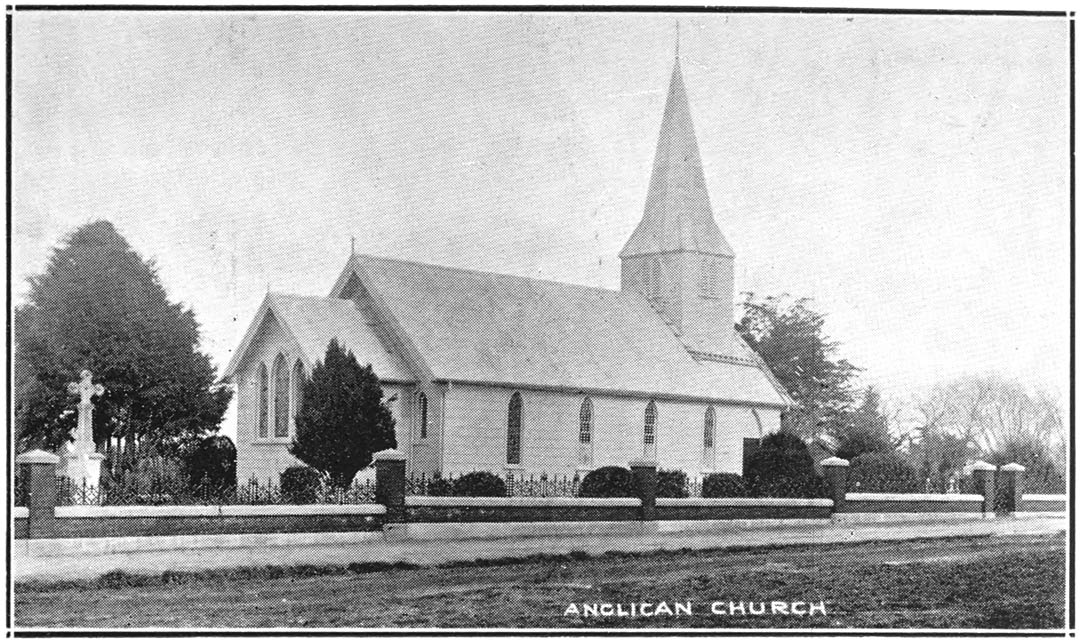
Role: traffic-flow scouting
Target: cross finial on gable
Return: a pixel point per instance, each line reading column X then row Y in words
column 352, row 245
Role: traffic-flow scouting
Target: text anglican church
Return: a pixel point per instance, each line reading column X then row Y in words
column 521, row 376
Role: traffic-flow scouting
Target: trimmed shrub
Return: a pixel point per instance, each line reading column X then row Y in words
column 782, row 467
column 883, row 472
column 479, row 484
column 211, row 465
column 672, row 484
column 438, row 486
column 300, row 485
column 607, row 482
column 723, row 485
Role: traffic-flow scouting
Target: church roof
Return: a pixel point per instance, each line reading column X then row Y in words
column 475, row 327
column 313, row 322
column 678, row 215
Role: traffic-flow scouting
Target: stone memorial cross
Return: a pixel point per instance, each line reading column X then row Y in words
column 81, row 460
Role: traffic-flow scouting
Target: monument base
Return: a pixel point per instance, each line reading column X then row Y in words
column 84, row 468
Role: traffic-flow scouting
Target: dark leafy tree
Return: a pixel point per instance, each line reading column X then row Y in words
column 343, row 419
column 865, row 429
column 98, row 305
column 788, row 335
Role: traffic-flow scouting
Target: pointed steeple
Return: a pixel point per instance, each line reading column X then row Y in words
column 678, row 216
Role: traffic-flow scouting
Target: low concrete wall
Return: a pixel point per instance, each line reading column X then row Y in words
column 874, row 503
column 439, row 509
column 149, row 521
column 742, row 508
column 1043, row 503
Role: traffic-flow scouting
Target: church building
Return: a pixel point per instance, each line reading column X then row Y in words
column 522, row 376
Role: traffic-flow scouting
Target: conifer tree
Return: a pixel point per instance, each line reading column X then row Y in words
column 788, row 335
column 343, row 419
column 99, row 306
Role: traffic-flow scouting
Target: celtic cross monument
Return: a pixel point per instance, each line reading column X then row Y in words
column 81, row 460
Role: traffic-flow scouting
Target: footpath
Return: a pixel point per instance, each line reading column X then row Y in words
column 85, row 559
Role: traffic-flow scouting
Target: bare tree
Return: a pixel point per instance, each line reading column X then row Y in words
column 988, row 411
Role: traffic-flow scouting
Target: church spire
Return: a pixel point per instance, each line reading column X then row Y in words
column 677, row 258
column 678, row 215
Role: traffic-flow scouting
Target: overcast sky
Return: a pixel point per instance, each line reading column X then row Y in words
column 910, row 174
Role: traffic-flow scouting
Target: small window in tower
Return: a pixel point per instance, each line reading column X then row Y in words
column 654, row 278
column 708, row 279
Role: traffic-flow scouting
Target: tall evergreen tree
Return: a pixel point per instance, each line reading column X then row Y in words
column 865, row 429
column 99, row 306
column 788, row 336
column 343, row 419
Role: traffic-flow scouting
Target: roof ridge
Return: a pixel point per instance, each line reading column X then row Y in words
column 475, row 271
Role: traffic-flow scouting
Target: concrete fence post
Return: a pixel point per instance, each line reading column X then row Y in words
column 835, row 471
column 390, row 483
column 983, row 476
column 644, row 473
column 1012, row 476
column 40, row 470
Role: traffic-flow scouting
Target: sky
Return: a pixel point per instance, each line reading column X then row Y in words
column 908, row 173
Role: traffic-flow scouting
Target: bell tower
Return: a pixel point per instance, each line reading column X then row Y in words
column 677, row 257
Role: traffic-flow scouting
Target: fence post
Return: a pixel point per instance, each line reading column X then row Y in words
column 41, row 504
column 983, row 475
column 390, row 483
column 1013, row 476
column 836, row 474
column 644, row 473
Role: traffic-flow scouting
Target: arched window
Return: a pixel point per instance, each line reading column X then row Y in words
column 585, row 422
column 709, row 435
column 649, row 433
column 264, row 400
column 514, row 430
column 422, row 414
column 281, row 398
column 298, row 390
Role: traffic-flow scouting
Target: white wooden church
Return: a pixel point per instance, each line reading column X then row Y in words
column 522, row 376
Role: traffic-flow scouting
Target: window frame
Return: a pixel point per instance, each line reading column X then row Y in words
column 422, row 415
column 282, row 390
column 649, row 429
column 514, row 430
column 263, row 411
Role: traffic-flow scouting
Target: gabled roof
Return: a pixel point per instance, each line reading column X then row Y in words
column 678, row 215
column 313, row 322
column 475, row 327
